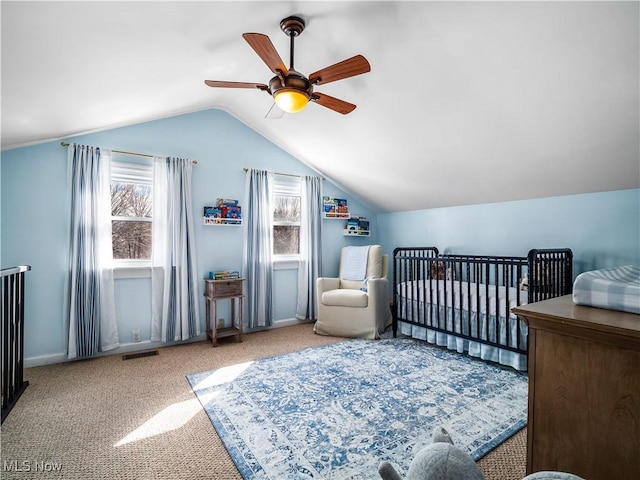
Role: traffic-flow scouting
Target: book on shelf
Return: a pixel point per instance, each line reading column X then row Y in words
column 226, row 212
column 213, row 212
column 329, row 209
column 341, row 205
column 357, row 225
column 226, row 202
column 335, row 207
column 224, row 275
column 233, row 212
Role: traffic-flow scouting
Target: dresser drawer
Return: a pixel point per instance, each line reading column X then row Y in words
column 223, row 288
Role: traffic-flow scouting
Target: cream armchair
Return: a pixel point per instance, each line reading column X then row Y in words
column 349, row 306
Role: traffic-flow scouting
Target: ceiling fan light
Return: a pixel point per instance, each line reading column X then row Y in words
column 291, row 101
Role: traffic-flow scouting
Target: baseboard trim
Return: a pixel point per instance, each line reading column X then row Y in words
column 287, row 322
column 43, row 360
column 123, row 348
column 61, row 357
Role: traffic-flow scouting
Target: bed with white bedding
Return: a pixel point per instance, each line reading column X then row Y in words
column 464, row 302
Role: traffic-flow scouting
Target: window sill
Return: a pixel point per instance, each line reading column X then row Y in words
column 132, row 272
column 286, row 264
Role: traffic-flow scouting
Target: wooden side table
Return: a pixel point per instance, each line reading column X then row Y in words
column 230, row 289
column 584, row 390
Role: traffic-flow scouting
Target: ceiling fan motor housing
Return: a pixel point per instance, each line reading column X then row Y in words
column 293, row 81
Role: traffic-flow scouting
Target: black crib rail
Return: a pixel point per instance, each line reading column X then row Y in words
column 550, row 273
column 465, row 279
column 13, row 384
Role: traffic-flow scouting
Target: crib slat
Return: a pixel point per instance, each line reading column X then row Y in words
column 447, row 306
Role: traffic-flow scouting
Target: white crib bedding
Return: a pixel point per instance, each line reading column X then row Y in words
column 474, row 294
column 473, row 314
column 616, row 288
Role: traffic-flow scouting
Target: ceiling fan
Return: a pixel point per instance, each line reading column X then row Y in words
column 290, row 89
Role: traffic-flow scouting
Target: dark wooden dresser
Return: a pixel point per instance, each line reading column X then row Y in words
column 584, row 390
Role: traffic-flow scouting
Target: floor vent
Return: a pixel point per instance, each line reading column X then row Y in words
column 148, row 353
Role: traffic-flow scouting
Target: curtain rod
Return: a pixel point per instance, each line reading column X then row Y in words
column 285, row 174
column 66, row 144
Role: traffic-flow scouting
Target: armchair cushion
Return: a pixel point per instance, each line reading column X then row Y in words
column 345, row 297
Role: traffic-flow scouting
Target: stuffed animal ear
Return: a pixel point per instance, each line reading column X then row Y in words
column 387, row 472
column 443, row 461
column 441, row 435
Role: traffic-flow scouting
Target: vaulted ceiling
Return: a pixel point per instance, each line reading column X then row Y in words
column 466, row 102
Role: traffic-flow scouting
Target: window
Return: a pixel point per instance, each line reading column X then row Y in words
column 286, row 217
column 131, row 213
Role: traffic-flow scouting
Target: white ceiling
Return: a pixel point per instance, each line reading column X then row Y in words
column 466, row 102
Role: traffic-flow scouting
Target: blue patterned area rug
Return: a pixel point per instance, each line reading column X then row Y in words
column 335, row 412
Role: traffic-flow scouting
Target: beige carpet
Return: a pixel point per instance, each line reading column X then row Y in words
column 108, row 418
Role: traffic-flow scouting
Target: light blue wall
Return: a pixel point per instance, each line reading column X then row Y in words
column 602, row 229
column 34, row 218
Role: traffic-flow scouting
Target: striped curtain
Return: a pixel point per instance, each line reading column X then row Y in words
column 174, row 280
column 257, row 264
column 310, row 247
column 90, row 304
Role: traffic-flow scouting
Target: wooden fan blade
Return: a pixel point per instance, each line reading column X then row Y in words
column 216, row 83
column 347, row 68
column 266, row 51
column 335, row 104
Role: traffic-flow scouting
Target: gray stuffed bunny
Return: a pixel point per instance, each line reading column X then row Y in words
column 442, row 460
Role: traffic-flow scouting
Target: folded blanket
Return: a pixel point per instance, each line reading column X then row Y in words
column 354, row 263
column 615, row 288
